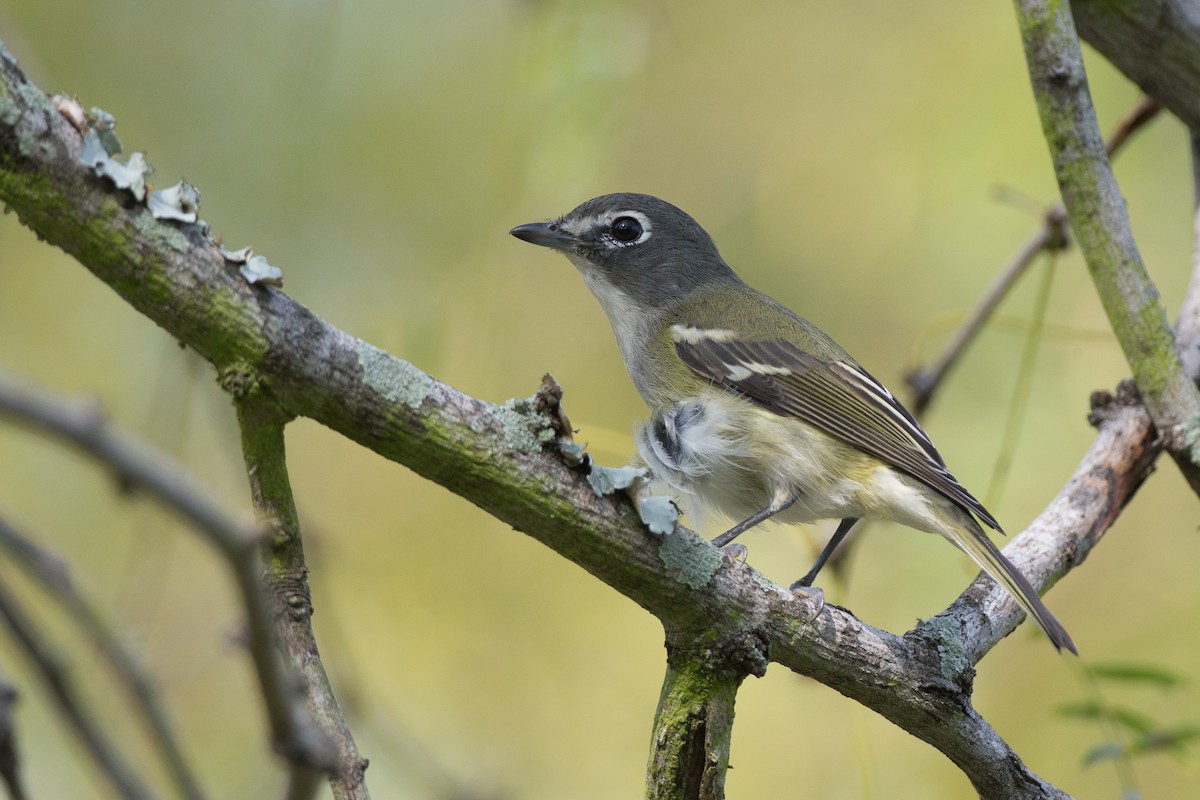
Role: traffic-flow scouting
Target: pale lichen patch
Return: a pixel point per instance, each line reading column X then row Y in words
column 395, row 380
column 691, row 559
column 523, row 427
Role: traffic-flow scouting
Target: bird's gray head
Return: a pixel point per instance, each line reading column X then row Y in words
column 643, row 248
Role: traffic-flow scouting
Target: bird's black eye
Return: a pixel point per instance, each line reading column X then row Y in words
column 626, row 229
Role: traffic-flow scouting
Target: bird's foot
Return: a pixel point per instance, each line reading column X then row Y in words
column 736, row 552
column 812, row 595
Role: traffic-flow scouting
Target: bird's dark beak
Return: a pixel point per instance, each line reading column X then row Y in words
column 546, row 234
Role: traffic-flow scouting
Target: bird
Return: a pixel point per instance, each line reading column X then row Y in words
column 754, row 411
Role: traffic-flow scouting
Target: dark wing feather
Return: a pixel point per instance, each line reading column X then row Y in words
column 837, row 397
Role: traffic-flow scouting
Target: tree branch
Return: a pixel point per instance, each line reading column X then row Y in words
column 10, row 765
column 1101, row 225
column 1154, row 42
column 693, row 725
column 1187, row 326
column 286, row 582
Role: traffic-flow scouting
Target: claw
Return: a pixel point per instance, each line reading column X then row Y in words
column 736, row 552
column 813, row 595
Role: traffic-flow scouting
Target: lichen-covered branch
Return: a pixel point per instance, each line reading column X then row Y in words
column 1101, row 224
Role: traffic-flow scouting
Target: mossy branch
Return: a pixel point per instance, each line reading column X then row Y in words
column 693, row 725
column 286, row 580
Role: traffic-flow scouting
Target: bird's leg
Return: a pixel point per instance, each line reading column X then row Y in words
column 842, row 529
column 781, row 503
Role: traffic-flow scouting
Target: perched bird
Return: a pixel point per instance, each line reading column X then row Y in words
column 755, row 411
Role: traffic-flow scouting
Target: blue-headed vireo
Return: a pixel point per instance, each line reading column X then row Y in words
column 755, row 411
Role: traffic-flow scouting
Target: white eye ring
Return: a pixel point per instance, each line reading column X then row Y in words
column 616, row 216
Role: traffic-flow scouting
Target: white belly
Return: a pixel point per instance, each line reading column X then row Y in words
column 736, row 459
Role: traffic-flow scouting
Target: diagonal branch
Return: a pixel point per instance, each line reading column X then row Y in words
column 1154, row 42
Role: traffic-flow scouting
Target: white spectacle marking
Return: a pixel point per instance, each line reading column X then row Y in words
column 743, row 370
column 689, row 334
column 599, row 226
column 642, row 219
column 583, row 225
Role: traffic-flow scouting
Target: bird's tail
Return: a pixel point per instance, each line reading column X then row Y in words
column 971, row 538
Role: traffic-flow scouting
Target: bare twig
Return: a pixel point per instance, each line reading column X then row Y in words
column 137, row 467
column 10, row 764
column 1146, row 110
column 1187, row 326
column 1051, row 236
column 48, row 666
column 925, row 381
column 53, row 575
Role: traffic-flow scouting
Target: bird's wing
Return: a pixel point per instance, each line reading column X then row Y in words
column 836, row 396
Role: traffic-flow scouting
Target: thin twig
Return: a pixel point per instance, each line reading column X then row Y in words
column 53, row 575
column 1020, row 392
column 1187, row 326
column 1146, row 110
column 139, row 467
column 1051, row 236
column 124, row 780
column 926, row 380
column 10, row 763
column 135, row 466
column 261, row 424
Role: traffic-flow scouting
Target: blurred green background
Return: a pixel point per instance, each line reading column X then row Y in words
column 846, row 158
